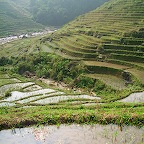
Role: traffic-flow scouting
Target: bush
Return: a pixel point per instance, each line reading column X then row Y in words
column 135, row 34
column 5, row 61
column 25, row 66
column 84, row 82
column 49, row 66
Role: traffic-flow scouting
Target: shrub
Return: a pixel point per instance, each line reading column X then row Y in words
column 24, row 66
column 5, row 61
column 7, row 94
column 84, row 82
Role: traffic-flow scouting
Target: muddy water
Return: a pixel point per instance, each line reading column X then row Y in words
column 73, row 134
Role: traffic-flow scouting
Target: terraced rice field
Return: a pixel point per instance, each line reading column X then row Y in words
column 108, row 45
column 136, row 97
column 19, row 47
column 112, row 81
column 111, row 36
column 28, row 93
column 16, row 93
column 7, row 81
column 138, row 74
column 74, row 134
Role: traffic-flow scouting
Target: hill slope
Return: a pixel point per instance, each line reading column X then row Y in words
column 114, row 30
column 113, row 33
column 59, row 12
column 14, row 19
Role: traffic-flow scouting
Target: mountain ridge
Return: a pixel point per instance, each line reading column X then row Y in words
column 19, row 16
column 13, row 20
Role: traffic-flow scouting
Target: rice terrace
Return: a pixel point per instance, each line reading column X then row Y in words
column 84, row 79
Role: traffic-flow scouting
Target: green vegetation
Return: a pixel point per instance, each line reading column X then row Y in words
column 108, row 41
column 78, row 74
column 7, row 81
column 48, row 66
column 104, row 40
column 17, row 16
column 58, row 114
column 57, row 12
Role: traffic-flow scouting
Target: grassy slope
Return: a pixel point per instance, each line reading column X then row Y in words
column 19, row 48
column 14, row 19
column 113, row 113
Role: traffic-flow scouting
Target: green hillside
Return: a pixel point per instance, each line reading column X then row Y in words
column 14, row 19
column 59, row 12
column 17, row 16
column 22, row 3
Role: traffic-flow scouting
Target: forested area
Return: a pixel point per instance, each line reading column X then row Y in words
column 59, row 12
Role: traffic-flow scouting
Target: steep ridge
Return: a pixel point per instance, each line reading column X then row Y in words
column 113, row 33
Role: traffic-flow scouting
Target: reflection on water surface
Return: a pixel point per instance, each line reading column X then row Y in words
column 73, row 134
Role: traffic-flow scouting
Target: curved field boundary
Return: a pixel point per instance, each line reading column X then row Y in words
column 110, row 80
column 105, row 64
column 138, row 74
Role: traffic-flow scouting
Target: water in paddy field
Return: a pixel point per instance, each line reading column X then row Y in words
column 74, row 134
column 134, row 97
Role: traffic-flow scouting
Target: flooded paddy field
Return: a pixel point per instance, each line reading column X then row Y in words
column 31, row 93
column 135, row 97
column 74, row 134
column 18, row 92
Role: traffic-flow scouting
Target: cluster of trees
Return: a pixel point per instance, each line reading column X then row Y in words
column 4, row 61
column 48, row 66
column 55, row 67
column 52, row 66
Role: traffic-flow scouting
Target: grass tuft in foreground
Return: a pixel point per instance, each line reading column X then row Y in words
column 115, row 113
